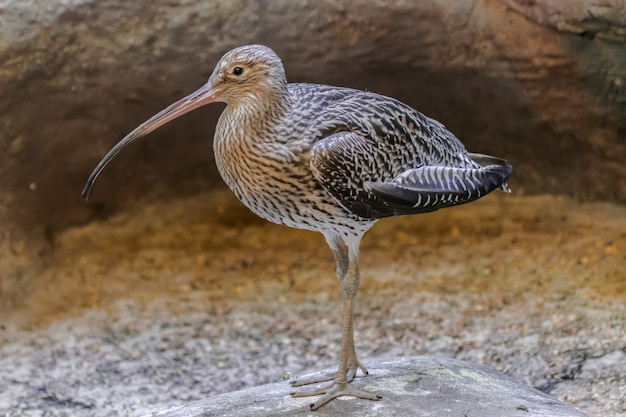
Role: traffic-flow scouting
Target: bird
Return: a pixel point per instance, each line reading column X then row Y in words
column 328, row 159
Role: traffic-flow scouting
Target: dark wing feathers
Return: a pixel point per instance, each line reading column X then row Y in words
column 494, row 162
column 430, row 188
column 335, row 162
column 380, row 158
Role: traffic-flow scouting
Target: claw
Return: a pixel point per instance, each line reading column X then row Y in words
column 352, row 369
column 333, row 390
column 337, row 389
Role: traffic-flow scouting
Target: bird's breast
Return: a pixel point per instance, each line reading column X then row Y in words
column 266, row 176
column 270, row 172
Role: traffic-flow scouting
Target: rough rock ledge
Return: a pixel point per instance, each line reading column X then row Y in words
column 410, row 386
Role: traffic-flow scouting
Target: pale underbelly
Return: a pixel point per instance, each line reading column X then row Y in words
column 300, row 209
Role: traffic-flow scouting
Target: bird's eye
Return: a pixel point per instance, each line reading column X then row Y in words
column 237, row 71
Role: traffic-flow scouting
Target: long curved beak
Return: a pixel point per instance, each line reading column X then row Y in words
column 202, row 96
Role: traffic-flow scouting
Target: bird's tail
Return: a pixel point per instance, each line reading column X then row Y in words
column 429, row 188
column 494, row 164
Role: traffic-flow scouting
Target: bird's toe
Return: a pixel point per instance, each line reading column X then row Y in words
column 337, row 389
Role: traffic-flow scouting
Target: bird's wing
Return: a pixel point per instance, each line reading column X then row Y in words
column 361, row 177
column 379, row 157
column 429, row 188
column 342, row 162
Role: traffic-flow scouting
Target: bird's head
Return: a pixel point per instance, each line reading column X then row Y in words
column 250, row 74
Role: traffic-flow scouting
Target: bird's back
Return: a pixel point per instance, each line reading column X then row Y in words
column 397, row 130
column 361, row 142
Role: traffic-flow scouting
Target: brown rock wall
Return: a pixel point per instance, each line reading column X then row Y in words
column 77, row 75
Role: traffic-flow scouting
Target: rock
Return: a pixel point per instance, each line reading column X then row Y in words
column 602, row 18
column 410, row 386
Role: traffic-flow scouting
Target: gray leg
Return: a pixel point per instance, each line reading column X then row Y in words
column 340, row 251
column 348, row 362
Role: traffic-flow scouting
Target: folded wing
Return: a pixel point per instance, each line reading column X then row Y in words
column 367, row 181
column 429, row 188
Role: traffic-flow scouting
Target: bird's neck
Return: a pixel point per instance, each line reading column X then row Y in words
column 249, row 123
column 256, row 113
column 245, row 137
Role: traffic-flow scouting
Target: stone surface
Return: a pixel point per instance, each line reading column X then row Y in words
column 178, row 301
column 605, row 19
column 411, row 387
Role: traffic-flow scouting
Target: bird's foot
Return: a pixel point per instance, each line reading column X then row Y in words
column 316, row 379
column 334, row 390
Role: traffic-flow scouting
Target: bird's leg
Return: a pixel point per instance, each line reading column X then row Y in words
column 353, row 362
column 343, row 263
column 340, row 385
column 340, row 251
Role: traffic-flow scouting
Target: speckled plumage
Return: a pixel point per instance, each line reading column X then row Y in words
column 328, row 159
column 313, row 166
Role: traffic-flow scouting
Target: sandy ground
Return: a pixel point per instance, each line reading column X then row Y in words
column 182, row 300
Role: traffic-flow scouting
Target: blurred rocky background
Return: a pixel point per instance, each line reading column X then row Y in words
column 539, row 82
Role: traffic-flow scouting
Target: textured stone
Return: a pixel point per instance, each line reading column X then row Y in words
column 605, row 19
column 411, row 387
column 185, row 299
